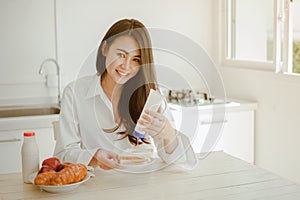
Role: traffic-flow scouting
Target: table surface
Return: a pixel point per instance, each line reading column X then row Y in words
column 218, row 176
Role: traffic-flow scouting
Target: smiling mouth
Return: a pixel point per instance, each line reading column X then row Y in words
column 122, row 73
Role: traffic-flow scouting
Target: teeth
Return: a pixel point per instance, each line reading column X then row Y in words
column 123, row 73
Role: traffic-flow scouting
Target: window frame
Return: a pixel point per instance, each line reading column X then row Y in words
column 282, row 40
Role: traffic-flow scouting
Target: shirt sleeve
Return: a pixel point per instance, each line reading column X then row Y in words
column 68, row 142
column 183, row 155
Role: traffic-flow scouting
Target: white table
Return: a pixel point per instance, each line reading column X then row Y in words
column 217, row 177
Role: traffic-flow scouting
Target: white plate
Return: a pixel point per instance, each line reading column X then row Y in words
column 153, row 165
column 60, row 188
column 128, row 164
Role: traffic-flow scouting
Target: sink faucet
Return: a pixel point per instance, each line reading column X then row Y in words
column 58, row 75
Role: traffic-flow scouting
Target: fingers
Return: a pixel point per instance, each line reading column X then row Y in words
column 109, row 164
column 107, row 160
column 153, row 122
column 157, row 125
column 155, row 114
column 152, row 118
column 113, row 156
column 154, row 125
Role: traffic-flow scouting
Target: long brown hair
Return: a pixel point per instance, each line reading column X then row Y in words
column 136, row 89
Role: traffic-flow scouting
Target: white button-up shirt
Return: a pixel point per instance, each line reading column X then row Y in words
column 86, row 111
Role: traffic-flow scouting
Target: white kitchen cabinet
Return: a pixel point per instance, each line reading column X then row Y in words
column 27, row 38
column 237, row 138
column 11, row 143
column 231, row 131
column 10, row 151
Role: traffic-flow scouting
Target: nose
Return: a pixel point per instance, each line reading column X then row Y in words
column 126, row 63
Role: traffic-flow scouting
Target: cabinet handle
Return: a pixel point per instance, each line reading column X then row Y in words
column 214, row 122
column 10, row 140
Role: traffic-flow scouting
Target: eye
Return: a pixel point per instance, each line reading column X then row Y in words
column 137, row 60
column 121, row 55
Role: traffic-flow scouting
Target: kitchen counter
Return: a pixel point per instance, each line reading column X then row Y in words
column 231, row 105
column 217, row 176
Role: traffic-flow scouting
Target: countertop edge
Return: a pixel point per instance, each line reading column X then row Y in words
column 234, row 105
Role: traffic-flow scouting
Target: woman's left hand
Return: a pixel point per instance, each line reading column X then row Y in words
column 157, row 125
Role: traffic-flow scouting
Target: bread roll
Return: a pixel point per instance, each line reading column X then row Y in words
column 71, row 173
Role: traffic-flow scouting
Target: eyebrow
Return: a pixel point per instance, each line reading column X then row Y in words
column 128, row 52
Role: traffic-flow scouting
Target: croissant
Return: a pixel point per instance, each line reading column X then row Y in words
column 71, row 173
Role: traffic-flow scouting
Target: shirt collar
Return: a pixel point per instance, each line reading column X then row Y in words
column 94, row 87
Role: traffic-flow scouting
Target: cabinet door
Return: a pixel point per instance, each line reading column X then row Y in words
column 232, row 133
column 203, row 130
column 210, row 130
column 10, row 151
column 27, row 38
column 11, row 144
column 238, row 135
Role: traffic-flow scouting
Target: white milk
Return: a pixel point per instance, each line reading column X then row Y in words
column 30, row 156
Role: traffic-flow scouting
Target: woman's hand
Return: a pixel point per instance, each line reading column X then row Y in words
column 106, row 160
column 157, row 125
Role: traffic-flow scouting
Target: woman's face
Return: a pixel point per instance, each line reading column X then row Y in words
column 123, row 58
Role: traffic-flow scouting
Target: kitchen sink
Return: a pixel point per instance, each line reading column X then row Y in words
column 19, row 111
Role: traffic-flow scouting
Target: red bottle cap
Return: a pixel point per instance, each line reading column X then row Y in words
column 29, row 134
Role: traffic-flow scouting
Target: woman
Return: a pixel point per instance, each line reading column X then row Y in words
column 99, row 113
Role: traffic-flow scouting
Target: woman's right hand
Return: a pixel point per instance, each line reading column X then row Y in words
column 105, row 159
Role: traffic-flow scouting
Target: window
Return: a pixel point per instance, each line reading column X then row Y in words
column 295, row 13
column 289, row 32
column 262, row 34
column 250, row 30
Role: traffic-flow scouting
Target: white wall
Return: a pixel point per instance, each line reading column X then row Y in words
column 82, row 24
column 27, row 37
column 277, row 138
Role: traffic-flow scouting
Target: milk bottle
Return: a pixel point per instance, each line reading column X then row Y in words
column 30, row 156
